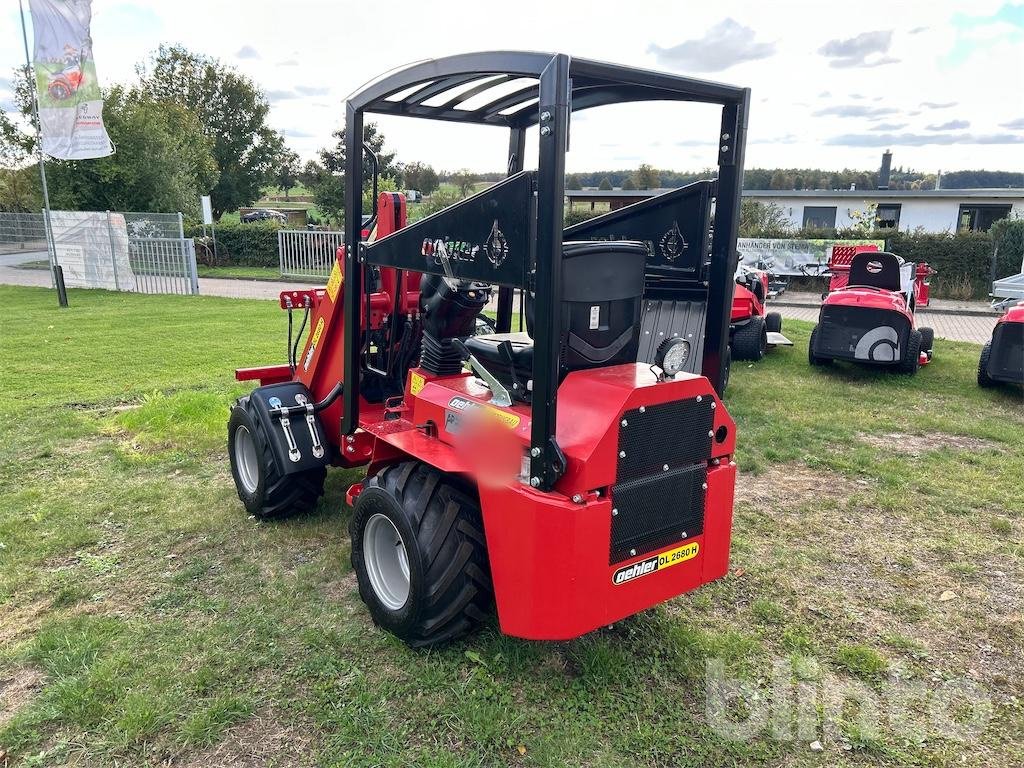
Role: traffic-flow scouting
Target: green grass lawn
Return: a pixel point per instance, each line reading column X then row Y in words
column 145, row 619
column 252, row 273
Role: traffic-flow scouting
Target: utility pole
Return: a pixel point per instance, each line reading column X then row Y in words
column 56, row 272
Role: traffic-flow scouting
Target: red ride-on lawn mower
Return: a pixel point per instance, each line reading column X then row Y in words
column 753, row 331
column 63, row 85
column 868, row 315
column 577, row 473
column 1002, row 357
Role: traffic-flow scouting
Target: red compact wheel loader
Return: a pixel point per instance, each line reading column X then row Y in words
column 869, row 313
column 569, row 475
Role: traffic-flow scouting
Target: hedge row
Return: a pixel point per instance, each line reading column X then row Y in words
column 963, row 260
column 245, row 245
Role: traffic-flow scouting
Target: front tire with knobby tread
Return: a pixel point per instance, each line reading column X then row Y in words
column 441, row 528
column 812, row 358
column 750, row 342
column 274, row 495
column 911, row 362
column 927, row 340
column 984, row 380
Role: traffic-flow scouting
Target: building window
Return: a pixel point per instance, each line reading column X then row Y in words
column 887, row 216
column 980, row 218
column 820, row 216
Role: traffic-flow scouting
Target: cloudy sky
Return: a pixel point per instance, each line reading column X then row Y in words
column 834, row 84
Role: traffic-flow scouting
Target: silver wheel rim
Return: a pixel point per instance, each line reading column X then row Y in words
column 387, row 561
column 245, row 459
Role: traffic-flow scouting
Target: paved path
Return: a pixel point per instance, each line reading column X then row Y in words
column 973, row 327
column 208, row 286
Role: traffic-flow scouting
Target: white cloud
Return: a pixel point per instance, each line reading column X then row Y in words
column 126, row 31
column 868, row 49
column 247, row 52
column 725, row 45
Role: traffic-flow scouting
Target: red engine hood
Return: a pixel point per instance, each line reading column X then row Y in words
column 1013, row 314
column 869, row 299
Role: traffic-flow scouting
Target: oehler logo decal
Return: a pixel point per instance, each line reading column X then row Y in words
column 654, row 563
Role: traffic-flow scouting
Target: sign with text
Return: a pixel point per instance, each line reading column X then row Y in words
column 785, row 257
column 70, row 102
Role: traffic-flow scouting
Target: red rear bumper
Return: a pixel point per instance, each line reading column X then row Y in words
column 549, row 560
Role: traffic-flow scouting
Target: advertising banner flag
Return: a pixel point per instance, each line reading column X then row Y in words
column 70, row 103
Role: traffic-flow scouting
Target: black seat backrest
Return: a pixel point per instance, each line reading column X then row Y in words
column 602, row 291
column 877, row 269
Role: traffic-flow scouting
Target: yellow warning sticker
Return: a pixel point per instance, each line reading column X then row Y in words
column 510, row 420
column 416, row 383
column 317, row 332
column 334, row 282
column 313, row 341
column 657, row 562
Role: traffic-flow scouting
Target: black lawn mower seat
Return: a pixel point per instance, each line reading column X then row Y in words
column 602, row 290
column 877, row 269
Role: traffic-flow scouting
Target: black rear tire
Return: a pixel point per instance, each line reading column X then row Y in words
column 927, row 340
column 911, row 362
column 773, row 322
column 984, row 380
column 750, row 342
column 265, row 492
column 449, row 580
column 812, row 358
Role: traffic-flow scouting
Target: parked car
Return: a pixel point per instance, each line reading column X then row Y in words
column 264, row 214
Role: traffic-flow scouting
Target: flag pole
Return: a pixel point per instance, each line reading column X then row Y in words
column 51, row 248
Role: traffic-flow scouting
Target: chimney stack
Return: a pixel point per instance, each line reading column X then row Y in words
column 884, row 171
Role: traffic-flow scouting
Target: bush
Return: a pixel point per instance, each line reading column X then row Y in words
column 576, row 215
column 963, row 261
column 244, row 245
column 442, row 198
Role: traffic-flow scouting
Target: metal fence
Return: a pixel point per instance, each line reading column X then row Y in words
column 163, row 264
column 22, row 232
column 154, row 225
column 307, row 253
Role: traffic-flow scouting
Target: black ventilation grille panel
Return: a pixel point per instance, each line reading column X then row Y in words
column 842, row 329
column 653, row 512
column 1007, row 361
column 676, row 433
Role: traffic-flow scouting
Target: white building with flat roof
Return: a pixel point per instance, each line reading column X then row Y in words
column 933, row 210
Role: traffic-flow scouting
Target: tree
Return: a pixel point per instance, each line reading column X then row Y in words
column 464, row 180
column 310, row 174
column 231, row 110
column 329, row 185
column 287, row 174
column 762, row 219
column 628, row 183
column 20, row 190
column 646, row 177
column 572, row 181
column 162, row 164
column 605, row 184
column 333, row 158
column 420, row 177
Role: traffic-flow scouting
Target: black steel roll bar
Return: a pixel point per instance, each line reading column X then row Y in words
column 563, row 85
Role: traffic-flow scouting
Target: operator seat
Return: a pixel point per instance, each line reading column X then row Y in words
column 602, row 292
column 878, row 269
